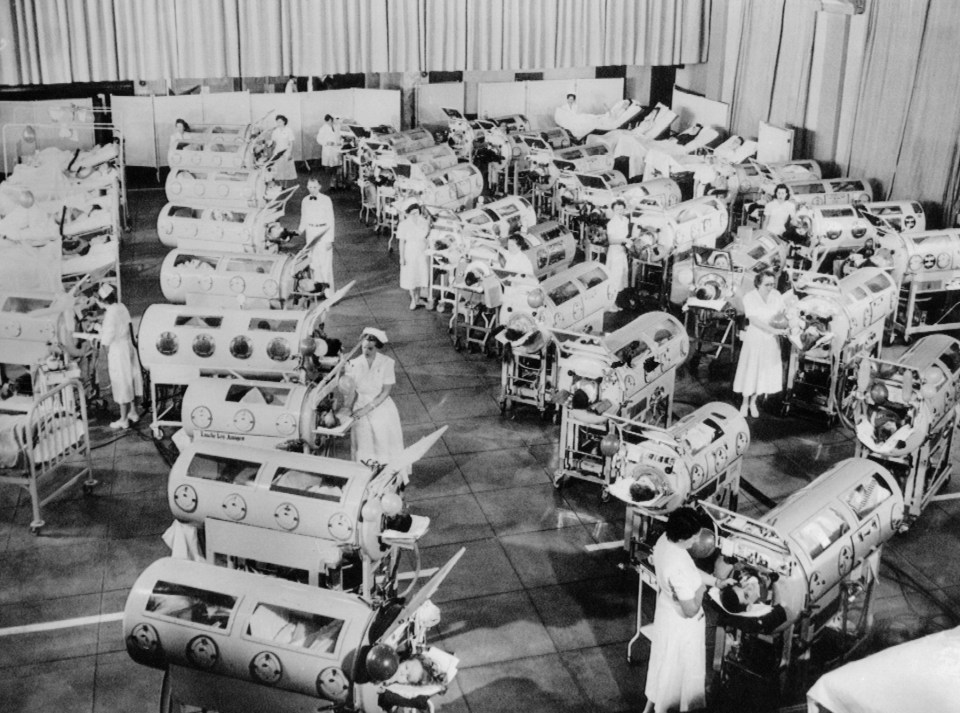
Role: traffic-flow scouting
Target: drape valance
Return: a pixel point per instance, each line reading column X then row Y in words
column 55, row 41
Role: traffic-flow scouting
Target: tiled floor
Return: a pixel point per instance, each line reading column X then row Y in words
column 539, row 621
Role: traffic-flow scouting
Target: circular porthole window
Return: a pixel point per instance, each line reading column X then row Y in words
column 168, row 344
column 278, row 349
column 241, row 347
column 203, row 345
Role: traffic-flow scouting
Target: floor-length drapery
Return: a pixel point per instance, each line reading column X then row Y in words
column 52, row 41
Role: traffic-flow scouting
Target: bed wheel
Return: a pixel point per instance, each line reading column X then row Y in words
column 36, row 526
column 558, row 479
column 157, row 433
column 605, row 494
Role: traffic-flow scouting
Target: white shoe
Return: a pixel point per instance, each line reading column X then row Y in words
column 414, row 305
column 754, row 411
column 133, row 417
column 120, row 424
column 743, row 408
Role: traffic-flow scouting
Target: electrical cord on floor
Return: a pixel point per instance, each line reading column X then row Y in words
column 123, row 434
column 757, row 494
column 901, row 574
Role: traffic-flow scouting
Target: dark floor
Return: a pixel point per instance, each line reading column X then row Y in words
column 537, row 616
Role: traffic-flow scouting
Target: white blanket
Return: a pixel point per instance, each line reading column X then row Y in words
column 920, row 676
column 9, row 453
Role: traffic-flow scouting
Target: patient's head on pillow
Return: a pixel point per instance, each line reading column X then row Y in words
column 642, row 490
column 731, row 601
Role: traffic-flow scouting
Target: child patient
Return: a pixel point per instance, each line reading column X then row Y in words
column 742, row 596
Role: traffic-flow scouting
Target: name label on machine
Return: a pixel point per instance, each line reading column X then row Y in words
column 218, row 436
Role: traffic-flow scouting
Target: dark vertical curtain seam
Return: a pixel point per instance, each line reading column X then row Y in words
column 176, row 41
column 386, row 19
column 236, row 17
column 776, row 64
column 422, row 38
column 708, row 29
column 116, row 41
column 802, row 121
column 556, row 37
column 466, row 34
column 913, row 89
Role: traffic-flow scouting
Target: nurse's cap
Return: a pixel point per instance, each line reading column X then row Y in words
column 105, row 290
column 378, row 334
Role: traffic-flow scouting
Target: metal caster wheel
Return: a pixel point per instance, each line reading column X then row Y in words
column 36, row 527
column 558, row 481
column 87, row 488
column 458, row 344
column 605, row 494
column 157, row 433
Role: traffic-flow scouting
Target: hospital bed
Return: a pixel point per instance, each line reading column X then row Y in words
column 42, row 437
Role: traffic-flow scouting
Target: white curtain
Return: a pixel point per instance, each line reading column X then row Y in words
column 530, row 34
column 580, row 28
column 51, row 41
column 56, row 41
column 445, row 34
column 656, row 32
column 208, row 42
column 404, row 39
column 894, row 38
column 928, row 165
column 260, row 29
column 485, row 36
column 790, row 91
column 762, row 23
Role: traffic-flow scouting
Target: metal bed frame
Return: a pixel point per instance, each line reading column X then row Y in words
column 54, row 433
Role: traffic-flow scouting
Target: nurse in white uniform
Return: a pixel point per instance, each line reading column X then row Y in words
column 760, row 368
column 675, row 676
column 414, row 262
column 317, row 224
column 618, row 228
column 282, row 138
column 181, row 127
column 376, row 433
column 516, row 260
column 126, row 381
column 329, row 139
column 779, row 210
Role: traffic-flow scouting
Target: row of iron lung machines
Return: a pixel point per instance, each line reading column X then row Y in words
column 814, row 553
column 615, row 394
column 285, row 590
column 856, row 265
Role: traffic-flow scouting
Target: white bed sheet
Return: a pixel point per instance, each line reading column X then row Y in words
column 920, row 676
